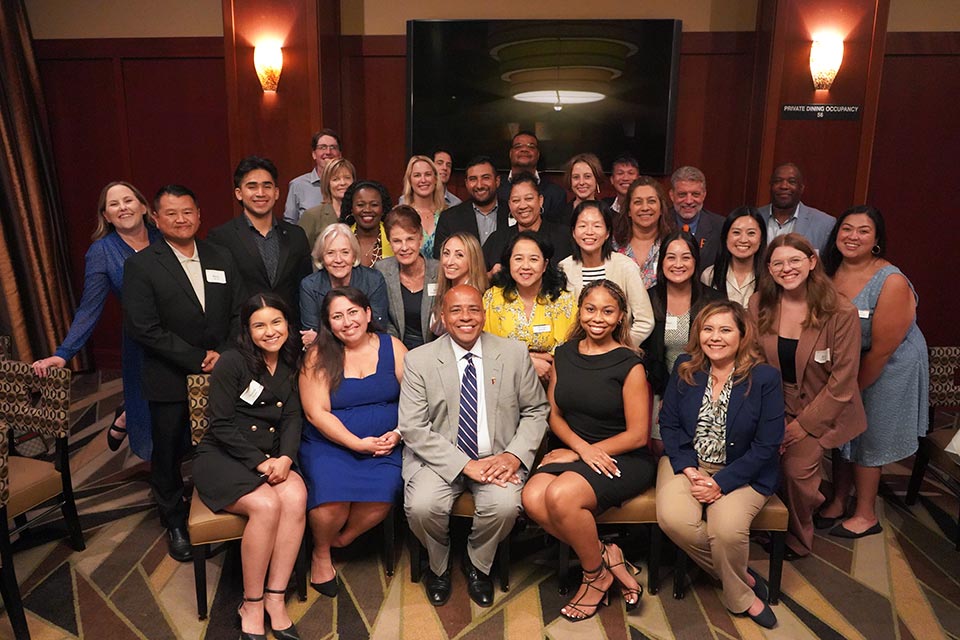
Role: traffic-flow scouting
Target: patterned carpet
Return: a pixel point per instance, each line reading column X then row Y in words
column 904, row 584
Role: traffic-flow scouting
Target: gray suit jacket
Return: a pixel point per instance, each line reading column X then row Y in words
column 430, row 405
column 390, row 269
column 812, row 224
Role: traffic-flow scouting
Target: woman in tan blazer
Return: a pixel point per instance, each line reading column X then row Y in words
column 812, row 335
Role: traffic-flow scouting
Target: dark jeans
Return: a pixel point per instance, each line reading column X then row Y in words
column 171, row 441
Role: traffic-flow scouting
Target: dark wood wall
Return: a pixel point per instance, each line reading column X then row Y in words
column 156, row 111
column 915, row 175
column 148, row 111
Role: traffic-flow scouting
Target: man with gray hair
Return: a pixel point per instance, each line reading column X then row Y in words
column 688, row 190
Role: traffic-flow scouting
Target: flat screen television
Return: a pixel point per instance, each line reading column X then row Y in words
column 601, row 86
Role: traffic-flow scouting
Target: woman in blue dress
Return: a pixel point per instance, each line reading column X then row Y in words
column 349, row 450
column 122, row 230
column 894, row 374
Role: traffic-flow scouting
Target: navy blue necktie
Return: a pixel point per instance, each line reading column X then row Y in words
column 467, row 434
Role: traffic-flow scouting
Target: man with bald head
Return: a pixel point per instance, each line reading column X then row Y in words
column 472, row 414
column 786, row 214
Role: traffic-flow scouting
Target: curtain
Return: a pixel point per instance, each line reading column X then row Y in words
column 37, row 300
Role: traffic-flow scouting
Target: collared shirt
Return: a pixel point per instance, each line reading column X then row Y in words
column 191, row 266
column 536, row 175
column 774, row 228
column 486, row 222
column 484, row 447
column 450, row 199
column 691, row 224
column 268, row 246
column 735, row 291
column 304, row 193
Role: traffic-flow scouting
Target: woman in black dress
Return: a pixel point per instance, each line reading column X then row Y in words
column 599, row 412
column 244, row 461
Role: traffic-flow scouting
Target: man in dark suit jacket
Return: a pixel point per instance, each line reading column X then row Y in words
column 524, row 157
column 688, row 190
column 482, row 214
column 272, row 255
column 181, row 298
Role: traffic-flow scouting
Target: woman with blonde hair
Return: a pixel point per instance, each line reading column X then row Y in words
column 461, row 262
column 337, row 176
column 122, row 230
column 812, row 335
column 423, row 190
column 722, row 425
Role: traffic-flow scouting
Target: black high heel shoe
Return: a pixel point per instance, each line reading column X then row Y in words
column 112, row 441
column 244, row 635
column 610, row 561
column 577, row 606
column 330, row 588
column 290, row 633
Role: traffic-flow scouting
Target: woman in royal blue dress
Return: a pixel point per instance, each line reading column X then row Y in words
column 349, row 450
column 122, row 230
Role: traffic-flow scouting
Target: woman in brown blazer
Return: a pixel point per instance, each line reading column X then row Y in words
column 812, row 335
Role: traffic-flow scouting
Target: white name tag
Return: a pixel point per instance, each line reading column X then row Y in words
column 252, row 392
column 672, row 324
column 511, row 221
column 821, row 356
column 216, row 276
column 863, row 313
column 541, row 328
column 432, row 290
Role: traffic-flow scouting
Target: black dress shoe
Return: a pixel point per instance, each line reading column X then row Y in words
column 479, row 584
column 765, row 618
column 760, row 588
column 438, row 587
column 330, row 588
column 178, row 544
column 825, row 522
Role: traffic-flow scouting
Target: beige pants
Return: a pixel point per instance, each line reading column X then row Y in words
column 716, row 536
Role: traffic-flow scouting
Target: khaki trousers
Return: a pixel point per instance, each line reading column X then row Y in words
column 715, row 536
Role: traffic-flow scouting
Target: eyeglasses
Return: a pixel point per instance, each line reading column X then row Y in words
column 793, row 263
column 327, row 147
column 524, row 145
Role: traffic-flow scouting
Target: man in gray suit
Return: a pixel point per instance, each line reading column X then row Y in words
column 786, row 214
column 472, row 414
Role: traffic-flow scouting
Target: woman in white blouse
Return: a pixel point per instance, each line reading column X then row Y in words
column 593, row 258
column 740, row 261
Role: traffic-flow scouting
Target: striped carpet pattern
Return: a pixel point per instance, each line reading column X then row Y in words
column 901, row 585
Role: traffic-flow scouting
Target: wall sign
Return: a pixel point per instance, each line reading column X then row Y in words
column 820, row 112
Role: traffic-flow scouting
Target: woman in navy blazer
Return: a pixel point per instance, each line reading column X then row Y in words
column 722, row 425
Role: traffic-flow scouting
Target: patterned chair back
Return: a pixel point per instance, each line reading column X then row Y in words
column 198, row 386
column 6, row 350
column 944, row 376
column 4, row 464
column 31, row 403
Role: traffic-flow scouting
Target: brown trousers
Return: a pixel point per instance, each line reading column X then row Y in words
column 715, row 536
column 800, row 488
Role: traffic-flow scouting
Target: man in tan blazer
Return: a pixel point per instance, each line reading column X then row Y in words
column 510, row 414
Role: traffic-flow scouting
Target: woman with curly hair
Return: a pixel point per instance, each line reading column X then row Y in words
column 364, row 204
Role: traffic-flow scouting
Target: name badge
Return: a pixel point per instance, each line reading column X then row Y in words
column 432, row 290
column 511, row 221
column 252, row 392
column 216, row 276
column 863, row 313
column 541, row 328
column 821, row 357
column 672, row 323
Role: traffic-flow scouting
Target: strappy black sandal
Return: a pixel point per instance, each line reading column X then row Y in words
column 578, row 606
column 610, row 562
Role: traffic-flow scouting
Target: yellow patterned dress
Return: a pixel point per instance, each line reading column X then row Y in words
column 548, row 327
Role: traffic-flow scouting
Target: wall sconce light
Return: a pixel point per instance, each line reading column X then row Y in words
column 268, row 61
column 826, row 54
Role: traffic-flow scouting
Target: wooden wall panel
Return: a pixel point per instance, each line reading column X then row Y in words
column 146, row 111
column 914, row 178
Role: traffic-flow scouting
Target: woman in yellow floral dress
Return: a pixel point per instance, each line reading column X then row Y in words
column 529, row 301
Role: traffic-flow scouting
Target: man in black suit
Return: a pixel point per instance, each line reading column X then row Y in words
column 181, row 298
column 688, row 190
column 524, row 156
column 272, row 255
column 482, row 214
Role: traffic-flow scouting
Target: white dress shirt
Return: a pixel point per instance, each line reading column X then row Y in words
column 191, row 267
column 484, row 448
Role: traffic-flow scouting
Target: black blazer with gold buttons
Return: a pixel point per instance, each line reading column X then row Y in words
column 248, row 422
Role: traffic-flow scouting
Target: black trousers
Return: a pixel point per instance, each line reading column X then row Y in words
column 171, row 442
